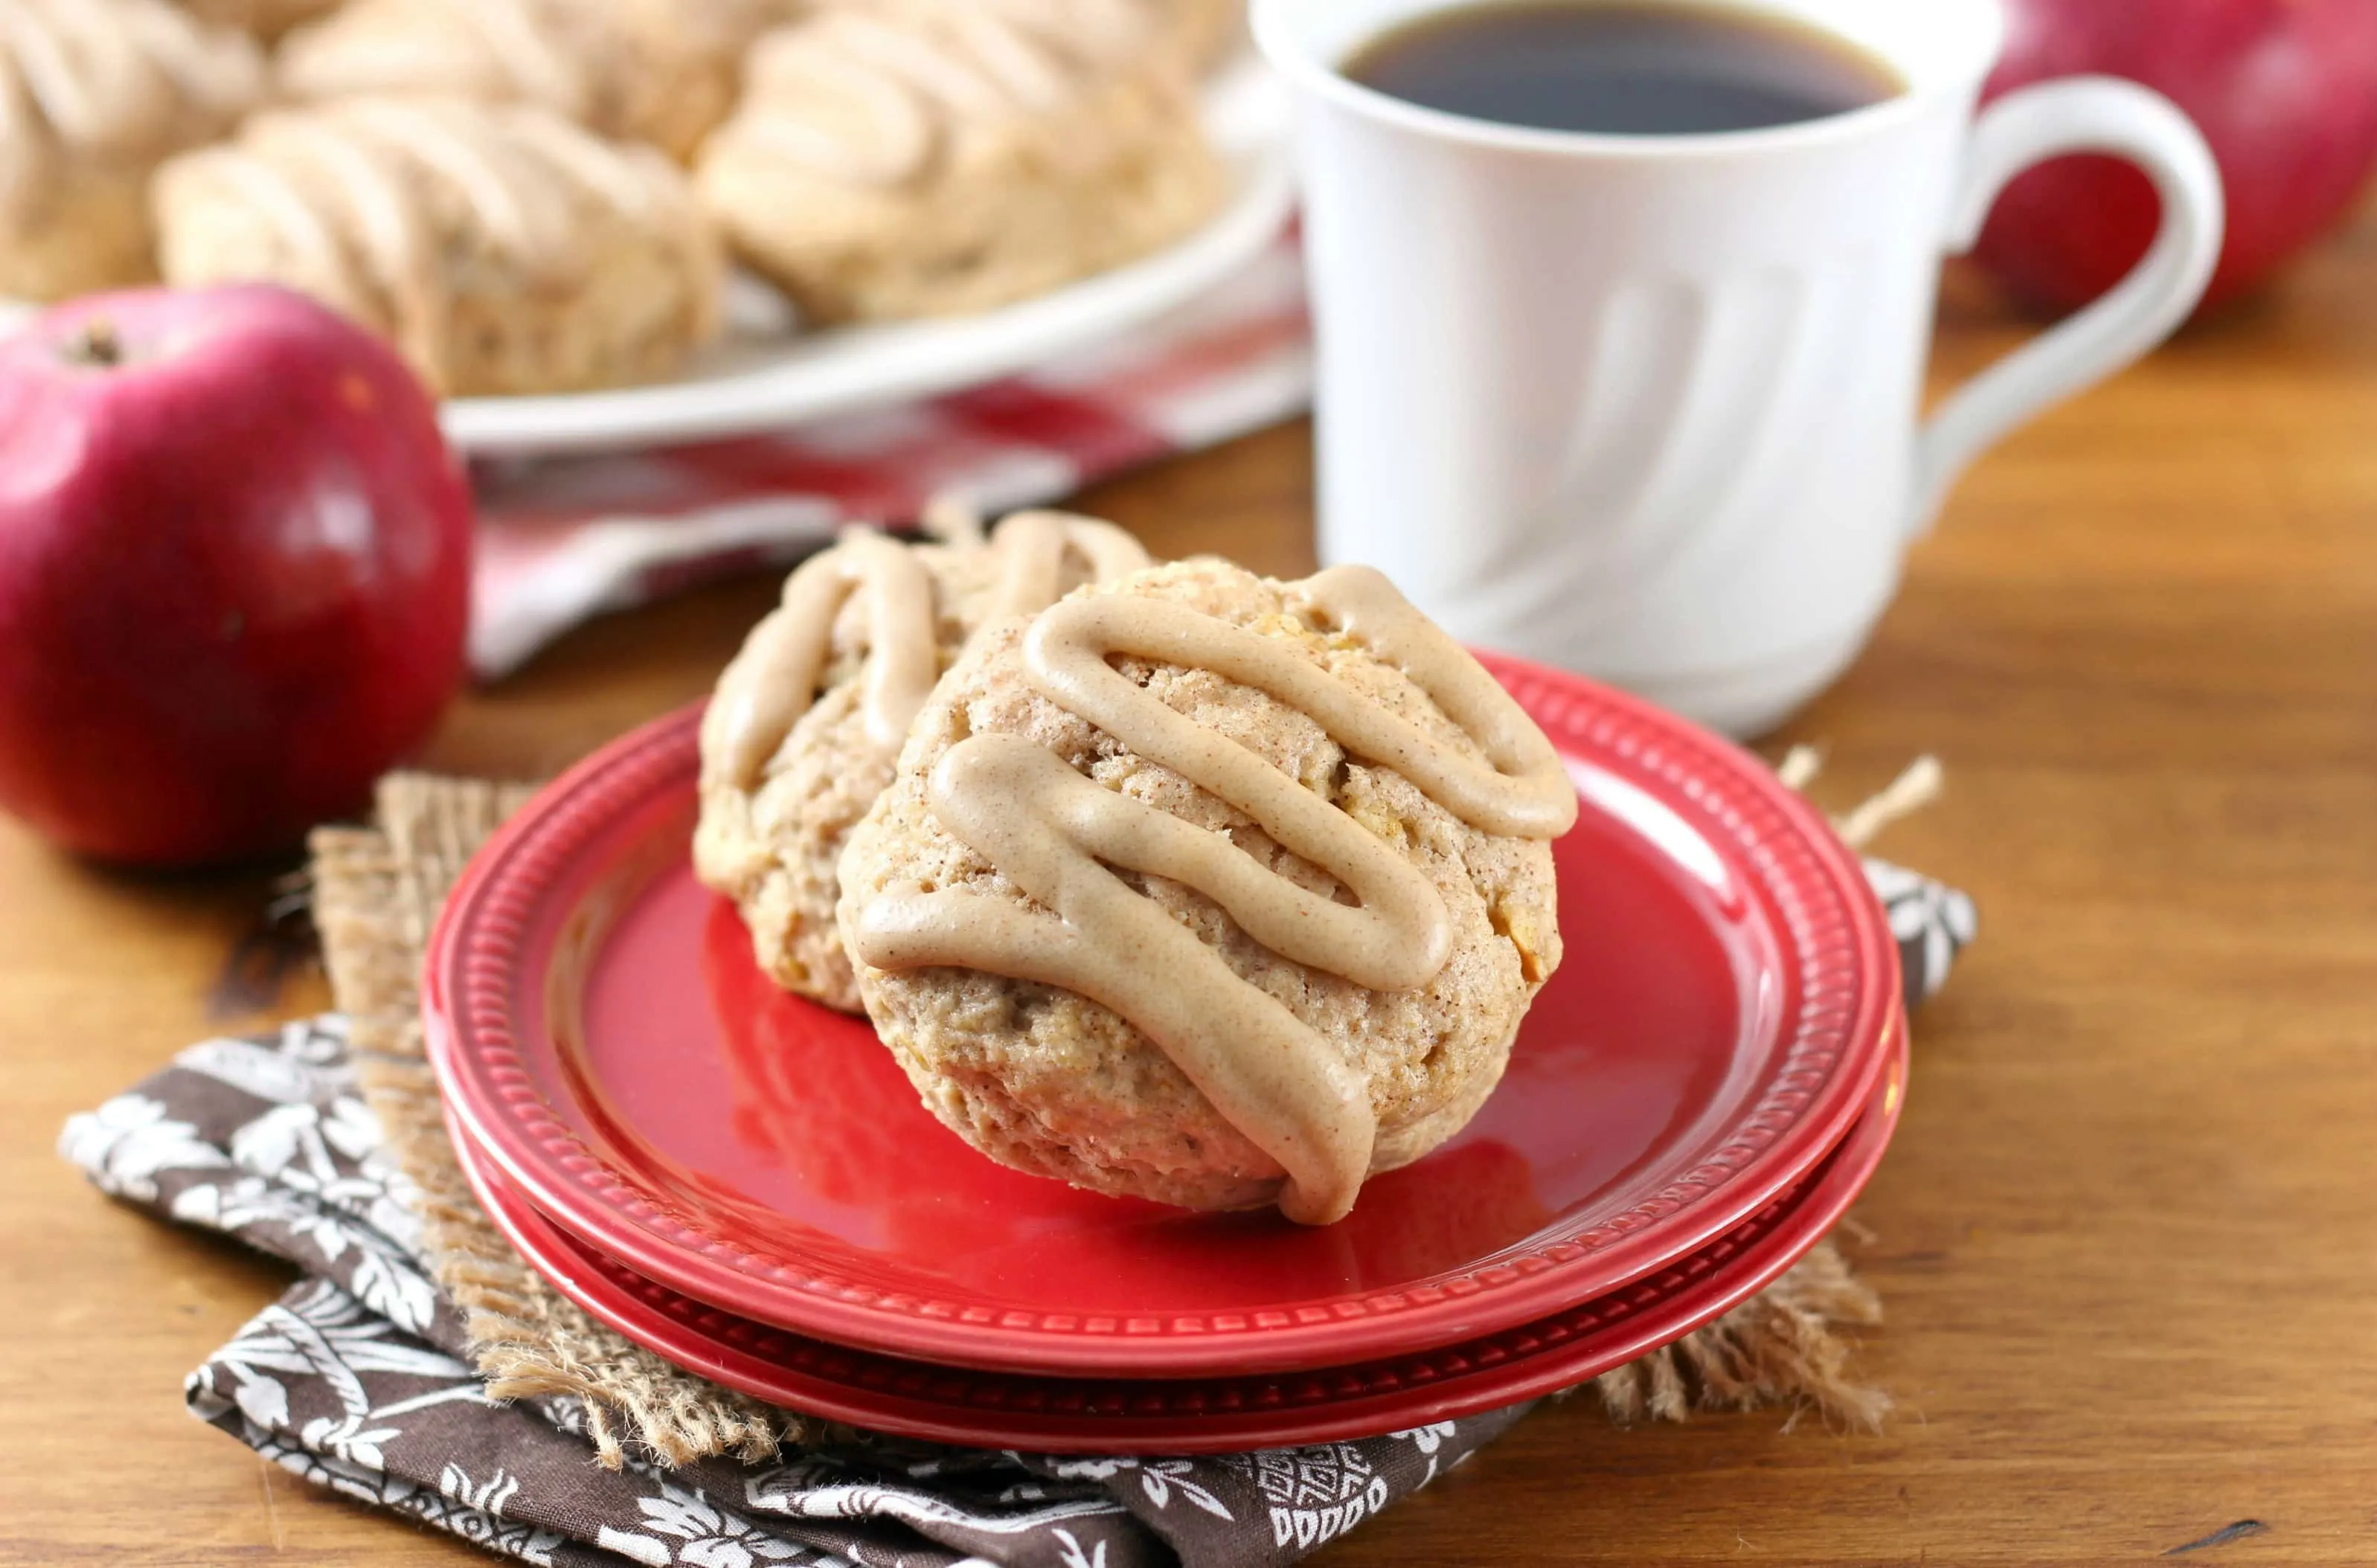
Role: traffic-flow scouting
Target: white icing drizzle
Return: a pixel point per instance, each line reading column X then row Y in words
column 871, row 96
column 112, row 78
column 362, row 189
column 520, row 38
column 569, row 55
column 1056, row 835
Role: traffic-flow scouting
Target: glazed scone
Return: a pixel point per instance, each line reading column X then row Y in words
column 923, row 158
column 1190, row 36
column 1206, row 33
column 661, row 71
column 807, row 722
column 267, row 19
column 93, row 94
column 501, row 248
column 1211, row 889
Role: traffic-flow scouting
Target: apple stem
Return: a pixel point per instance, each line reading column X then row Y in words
column 97, row 344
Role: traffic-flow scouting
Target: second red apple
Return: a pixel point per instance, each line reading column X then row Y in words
column 2285, row 91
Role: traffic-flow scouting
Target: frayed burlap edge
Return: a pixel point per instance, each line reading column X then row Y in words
column 376, row 893
column 1779, row 1347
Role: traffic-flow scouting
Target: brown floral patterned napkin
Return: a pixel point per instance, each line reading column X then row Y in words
column 360, row 1379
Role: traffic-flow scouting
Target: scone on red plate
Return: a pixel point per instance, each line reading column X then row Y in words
column 501, row 248
column 807, row 720
column 1211, row 889
column 916, row 158
column 93, row 94
column 661, row 71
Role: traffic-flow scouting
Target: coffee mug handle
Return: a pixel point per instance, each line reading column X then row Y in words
column 2077, row 115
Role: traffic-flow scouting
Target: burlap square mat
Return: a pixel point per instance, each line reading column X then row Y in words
column 377, row 892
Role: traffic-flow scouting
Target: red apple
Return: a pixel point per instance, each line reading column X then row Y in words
column 2285, row 91
column 234, row 572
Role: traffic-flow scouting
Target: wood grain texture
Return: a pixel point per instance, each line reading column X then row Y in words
column 2128, row 1235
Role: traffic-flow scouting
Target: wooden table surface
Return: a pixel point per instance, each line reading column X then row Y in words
column 2127, row 1236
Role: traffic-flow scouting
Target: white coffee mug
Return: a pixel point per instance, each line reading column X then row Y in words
column 1649, row 407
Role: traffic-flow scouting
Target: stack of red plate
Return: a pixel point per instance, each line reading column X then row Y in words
column 745, row 1182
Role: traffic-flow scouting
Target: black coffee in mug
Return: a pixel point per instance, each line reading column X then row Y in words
column 1625, row 69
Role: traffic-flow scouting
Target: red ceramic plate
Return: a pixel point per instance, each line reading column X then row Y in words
column 1223, row 1414
column 1721, row 1018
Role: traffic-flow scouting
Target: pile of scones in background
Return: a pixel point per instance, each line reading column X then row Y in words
column 545, row 195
